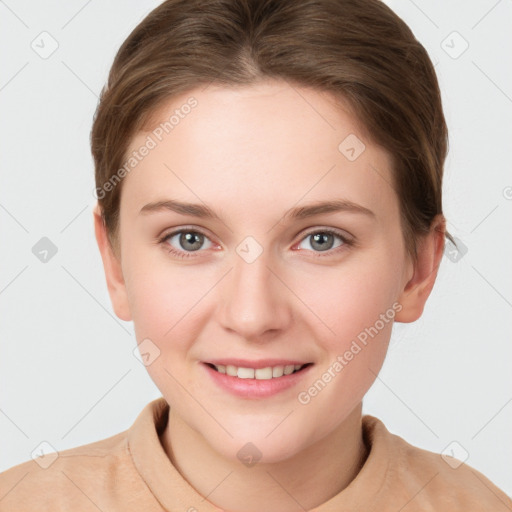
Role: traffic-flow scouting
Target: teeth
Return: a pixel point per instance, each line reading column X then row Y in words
column 245, row 373
column 277, row 371
column 289, row 368
column 263, row 373
column 258, row 373
column 231, row 370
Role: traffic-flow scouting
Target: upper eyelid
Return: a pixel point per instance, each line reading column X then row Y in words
column 335, row 231
column 186, row 229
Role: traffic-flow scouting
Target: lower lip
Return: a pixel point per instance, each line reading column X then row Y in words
column 256, row 388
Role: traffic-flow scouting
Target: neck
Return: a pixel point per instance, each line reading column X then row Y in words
column 304, row 481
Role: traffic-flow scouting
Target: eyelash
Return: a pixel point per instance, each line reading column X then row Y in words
column 190, row 254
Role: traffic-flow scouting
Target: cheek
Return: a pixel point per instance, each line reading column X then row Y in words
column 163, row 303
column 350, row 299
column 359, row 307
column 159, row 292
column 170, row 304
column 166, row 303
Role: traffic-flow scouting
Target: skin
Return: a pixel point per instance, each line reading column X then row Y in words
column 251, row 154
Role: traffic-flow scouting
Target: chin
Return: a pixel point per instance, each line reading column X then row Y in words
column 256, row 453
column 255, row 446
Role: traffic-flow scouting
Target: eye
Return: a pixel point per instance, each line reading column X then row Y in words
column 185, row 241
column 324, row 240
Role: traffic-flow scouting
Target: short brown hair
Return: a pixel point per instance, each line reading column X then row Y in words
column 358, row 50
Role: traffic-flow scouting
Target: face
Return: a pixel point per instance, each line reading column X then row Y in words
column 292, row 255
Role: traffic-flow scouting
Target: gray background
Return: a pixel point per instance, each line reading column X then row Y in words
column 68, row 375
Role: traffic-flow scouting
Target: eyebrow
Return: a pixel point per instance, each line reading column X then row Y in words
column 299, row 212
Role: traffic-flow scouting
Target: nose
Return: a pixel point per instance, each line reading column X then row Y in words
column 254, row 303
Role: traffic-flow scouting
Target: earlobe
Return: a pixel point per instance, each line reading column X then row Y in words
column 112, row 267
column 418, row 288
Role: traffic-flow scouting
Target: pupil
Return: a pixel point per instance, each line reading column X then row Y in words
column 194, row 239
column 322, row 241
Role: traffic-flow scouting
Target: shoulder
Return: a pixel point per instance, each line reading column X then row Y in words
column 64, row 480
column 432, row 481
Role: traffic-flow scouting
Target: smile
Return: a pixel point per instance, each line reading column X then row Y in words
column 267, row 373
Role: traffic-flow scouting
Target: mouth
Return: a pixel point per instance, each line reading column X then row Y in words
column 262, row 373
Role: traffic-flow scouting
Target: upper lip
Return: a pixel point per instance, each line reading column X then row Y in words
column 261, row 363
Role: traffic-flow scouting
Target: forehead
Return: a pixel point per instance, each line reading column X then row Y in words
column 257, row 149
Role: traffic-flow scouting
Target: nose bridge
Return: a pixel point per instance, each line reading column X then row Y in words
column 253, row 302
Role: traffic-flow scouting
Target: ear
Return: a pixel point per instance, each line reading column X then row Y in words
column 112, row 266
column 417, row 290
